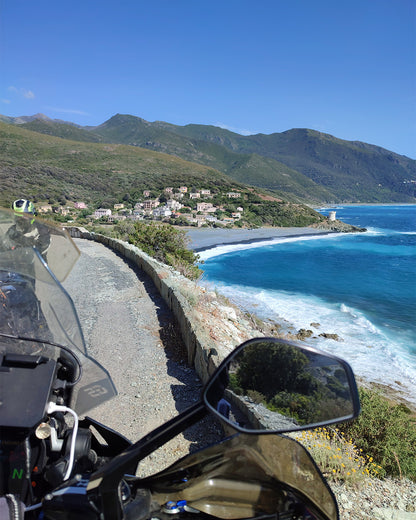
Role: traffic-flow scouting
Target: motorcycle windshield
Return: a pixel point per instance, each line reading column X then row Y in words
column 246, row 476
column 37, row 316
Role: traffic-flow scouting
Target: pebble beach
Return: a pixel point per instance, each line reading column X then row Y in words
column 207, row 238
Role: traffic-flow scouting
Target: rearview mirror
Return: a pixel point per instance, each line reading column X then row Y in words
column 272, row 385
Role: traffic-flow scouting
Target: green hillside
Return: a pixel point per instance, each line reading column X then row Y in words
column 297, row 165
column 65, row 131
column 253, row 169
column 41, row 167
column 47, row 168
column 338, row 170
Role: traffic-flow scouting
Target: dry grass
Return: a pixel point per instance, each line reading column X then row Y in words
column 337, row 457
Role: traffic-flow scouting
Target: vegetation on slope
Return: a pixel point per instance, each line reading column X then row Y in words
column 62, row 130
column 40, row 167
column 337, row 170
column 386, row 432
column 301, row 164
column 163, row 242
column 250, row 169
column 352, row 171
column 43, row 168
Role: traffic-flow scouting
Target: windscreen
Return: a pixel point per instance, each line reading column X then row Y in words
column 37, row 316
column 273, row 462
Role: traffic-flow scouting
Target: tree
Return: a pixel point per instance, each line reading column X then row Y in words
column 270, row 369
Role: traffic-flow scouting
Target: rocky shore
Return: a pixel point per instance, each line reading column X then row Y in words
column 388, row 499
column 146, row 357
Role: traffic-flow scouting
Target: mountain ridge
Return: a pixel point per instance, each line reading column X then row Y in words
column 301, row 164
column 41, row 167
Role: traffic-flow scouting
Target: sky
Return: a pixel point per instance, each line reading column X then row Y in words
column 344, row 67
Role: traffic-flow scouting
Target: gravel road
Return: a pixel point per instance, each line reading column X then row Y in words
column 129, row 329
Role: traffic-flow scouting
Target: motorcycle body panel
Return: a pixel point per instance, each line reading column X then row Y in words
column 245, row 476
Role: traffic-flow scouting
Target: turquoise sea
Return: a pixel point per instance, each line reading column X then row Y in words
column 361, row 286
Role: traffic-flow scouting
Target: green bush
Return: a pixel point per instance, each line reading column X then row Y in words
column 163, row 242
column 385, row 432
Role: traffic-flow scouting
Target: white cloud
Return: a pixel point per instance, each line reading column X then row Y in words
column 23, row 92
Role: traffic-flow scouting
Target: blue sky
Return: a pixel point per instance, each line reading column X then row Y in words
column 345, row 67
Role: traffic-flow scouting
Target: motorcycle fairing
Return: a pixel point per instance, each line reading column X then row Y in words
column 25, row 386
column 245, row 476
column 37, row 316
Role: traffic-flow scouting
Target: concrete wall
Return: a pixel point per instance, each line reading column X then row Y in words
column 202, row 351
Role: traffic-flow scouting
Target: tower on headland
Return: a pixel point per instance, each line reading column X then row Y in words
column 332, row 216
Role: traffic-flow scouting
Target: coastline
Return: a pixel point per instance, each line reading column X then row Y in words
column 202, row 239
column 205, row 239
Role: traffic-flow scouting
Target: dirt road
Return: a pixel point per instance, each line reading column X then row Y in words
column 129, row 330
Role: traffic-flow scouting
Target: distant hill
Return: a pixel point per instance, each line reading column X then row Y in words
column 42, row 167
column 27, row 119
column 252, row 169
column 352, row 170
column 299, row 164
column 302, row 162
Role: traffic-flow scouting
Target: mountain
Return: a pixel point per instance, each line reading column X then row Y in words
column 61, row 129
column 353, row 170
column 298, row 164
column 27, row 119
column 302, row 162
column 42, row 167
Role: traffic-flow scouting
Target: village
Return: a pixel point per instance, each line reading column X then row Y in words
column 180, row 206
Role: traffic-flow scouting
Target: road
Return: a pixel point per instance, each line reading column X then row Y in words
column 129, row 329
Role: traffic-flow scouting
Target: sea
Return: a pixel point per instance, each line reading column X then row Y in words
column 360, row 286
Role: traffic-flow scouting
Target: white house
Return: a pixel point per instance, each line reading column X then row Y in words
column 161, row 212
column 102, row 212
column 205, row 206
column 173, row 204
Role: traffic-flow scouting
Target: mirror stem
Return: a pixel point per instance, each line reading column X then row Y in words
column 108, row 477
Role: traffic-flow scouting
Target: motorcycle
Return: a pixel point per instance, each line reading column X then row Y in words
column 58, row 463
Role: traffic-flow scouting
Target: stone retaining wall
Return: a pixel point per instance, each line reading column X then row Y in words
column 202, row 351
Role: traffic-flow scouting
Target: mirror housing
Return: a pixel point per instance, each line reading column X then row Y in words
column 269, row 385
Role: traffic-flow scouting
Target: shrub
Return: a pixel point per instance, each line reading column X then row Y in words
column 387, row 433
column 339, row 459
column 167, row 244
